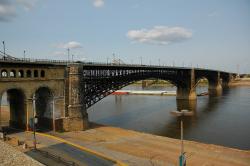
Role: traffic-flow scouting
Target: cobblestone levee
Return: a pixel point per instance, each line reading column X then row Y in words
column 9, row 156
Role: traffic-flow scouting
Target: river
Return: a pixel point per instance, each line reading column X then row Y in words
column 222, row 120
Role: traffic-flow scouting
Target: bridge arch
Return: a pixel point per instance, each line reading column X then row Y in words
column 13, row 107
column 44, row 107
column 4, row 73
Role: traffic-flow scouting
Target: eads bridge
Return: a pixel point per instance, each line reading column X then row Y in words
column 69, row 89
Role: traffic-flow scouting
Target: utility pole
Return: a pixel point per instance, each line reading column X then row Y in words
column 24, row 54
column 68, row 54
column 238, row 69
column 113, row 57
column 3, row 50
column 141, row 60
column 34, row 121
column 107, row 60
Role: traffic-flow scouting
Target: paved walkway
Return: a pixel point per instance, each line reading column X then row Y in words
column 58, row 148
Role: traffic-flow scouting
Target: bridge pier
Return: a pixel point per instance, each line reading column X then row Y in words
column 77, row 116
column 186, row 89
column 215, row 87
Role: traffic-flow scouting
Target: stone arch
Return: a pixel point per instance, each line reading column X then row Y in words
column 4, row 73
column 14, row 102
column 44, row 108
column 42, row 73
column 12, row 73
column 35, row 73
column 28, row 73
column 21, row 73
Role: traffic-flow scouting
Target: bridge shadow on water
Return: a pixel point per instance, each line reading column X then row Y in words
column 203, row 110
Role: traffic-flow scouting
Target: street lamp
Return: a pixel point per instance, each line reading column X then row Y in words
column 181, row 114
column 34, row 120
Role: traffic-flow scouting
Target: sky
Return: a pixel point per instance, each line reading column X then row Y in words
column 199, row 33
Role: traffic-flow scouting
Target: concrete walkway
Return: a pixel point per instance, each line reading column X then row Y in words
column 63, row 150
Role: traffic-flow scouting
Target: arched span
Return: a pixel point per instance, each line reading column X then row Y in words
column 13, row 108
column 44, row 108
column 214, row 81
column 98, row 84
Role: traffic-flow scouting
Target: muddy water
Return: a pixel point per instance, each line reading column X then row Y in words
column 222, row 120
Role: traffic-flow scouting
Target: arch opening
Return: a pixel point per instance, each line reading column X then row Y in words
column 20, row 73
column 167, row 86
column 4, row 73
column 44, row 108
column 28, row 73
column 202, row 87
column 12, row 73
column 42, row 73
column 35, row 73
column 13, row 109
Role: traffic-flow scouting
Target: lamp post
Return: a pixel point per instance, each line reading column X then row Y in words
column 181, row 114
column 24, row 54
column 34, row 120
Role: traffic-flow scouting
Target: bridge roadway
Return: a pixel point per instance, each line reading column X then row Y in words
column 64, row 90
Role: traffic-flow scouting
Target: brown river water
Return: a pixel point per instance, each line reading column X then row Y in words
column 222, row 120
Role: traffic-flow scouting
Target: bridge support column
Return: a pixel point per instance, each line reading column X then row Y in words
column 185, row 89
column 226, row 80
column 215, row 87
column 77, row 113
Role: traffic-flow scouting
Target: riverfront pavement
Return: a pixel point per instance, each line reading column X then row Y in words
column 135, row 148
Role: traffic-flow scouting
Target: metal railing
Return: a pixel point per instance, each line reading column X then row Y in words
column 9, row 58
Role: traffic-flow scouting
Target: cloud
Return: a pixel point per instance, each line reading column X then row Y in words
column 98, row 3
column 7, row 10
column 27, row 4
column 160, row 35
column 70, row 45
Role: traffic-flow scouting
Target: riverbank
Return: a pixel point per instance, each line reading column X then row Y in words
column 241, row 82
column 129, row 147
column 135, row 148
